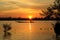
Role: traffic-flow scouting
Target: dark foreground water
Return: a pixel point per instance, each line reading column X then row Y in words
column 24, row 30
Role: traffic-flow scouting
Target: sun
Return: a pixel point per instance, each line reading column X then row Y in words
column 30, row 17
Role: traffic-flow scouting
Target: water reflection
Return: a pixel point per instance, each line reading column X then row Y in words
column 33, row 30
column 30, row 26
column 7, row 36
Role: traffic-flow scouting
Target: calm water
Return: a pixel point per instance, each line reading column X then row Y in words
column 37, row 30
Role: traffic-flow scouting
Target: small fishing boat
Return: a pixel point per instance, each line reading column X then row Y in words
column 25, row 21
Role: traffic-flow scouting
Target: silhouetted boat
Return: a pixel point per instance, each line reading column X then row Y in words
column 25, row 21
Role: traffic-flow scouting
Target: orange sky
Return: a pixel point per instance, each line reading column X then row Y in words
column 24, row 13
column 23, row 8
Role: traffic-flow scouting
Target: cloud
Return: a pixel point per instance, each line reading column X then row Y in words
column 41, row 1
column 7, row 6
column 14, row 4
column 22, row 7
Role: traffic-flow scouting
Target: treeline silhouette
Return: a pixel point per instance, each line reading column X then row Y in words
column 19, row 18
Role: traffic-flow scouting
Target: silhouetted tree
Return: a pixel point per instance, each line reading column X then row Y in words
column 6, row 27
column 53, row 11
column 57, row 30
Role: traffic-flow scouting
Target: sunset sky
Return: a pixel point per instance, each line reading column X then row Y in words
column 23, row 8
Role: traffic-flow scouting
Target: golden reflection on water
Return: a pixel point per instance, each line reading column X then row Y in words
column 29, row 31
column 30, row 28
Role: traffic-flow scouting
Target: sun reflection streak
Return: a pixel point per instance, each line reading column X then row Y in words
column 29, row 26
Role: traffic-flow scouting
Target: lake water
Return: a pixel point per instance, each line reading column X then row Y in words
column 24, row 30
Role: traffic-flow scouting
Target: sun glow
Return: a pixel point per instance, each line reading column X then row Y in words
column 30, row 17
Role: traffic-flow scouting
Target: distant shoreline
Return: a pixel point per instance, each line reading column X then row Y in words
column 26, row 19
